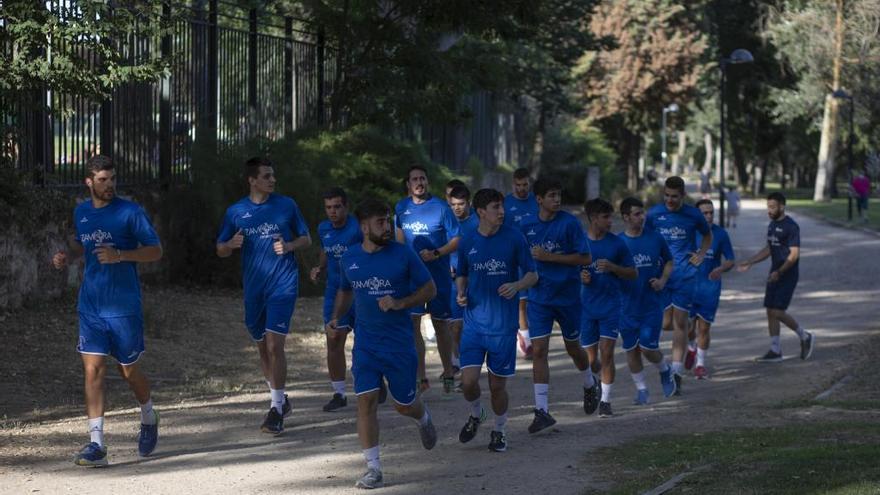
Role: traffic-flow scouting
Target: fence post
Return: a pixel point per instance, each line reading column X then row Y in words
column 288, row 75
column 210, row 131
column 321, row 48
column 253, row 118
column 165, row 146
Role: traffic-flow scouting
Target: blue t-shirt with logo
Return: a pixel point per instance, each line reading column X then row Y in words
column 601, row 297
column 711, row 289
column 396, row 271
column 650, row 254
column 680, row 229
column 516, row 210
column 429, row 225
column 558, row 284
column 490, row 262
column 335, row 242
column 781, row 236
column 466, row 228
column 111, row 290
column 266, row 275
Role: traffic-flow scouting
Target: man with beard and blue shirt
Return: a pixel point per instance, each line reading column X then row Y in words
column 385, row 280
column 601, row 298
column 268, row 228
column 426, row 224
column 783, row 248
column 459, row 199
column 708, row 291
column 518, row 206
column 113, row 235
column 339, row 231
column 559, row 247
column 488, row 278
column 679, row 224
column 641, row 315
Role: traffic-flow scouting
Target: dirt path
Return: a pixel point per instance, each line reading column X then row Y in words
column 214, row 446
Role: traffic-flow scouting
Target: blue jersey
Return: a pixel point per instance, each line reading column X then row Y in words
column 396, row 271
column 650, row 254
column 466, row 228
column 488, row 263
column 720, row 246
column 602, row 296
column 558, row 284
column 335, row 242
column 781, row 236
column 111, row 290
column 429, row 225
column 516, row 210
column 680, row 229
column 266, row 275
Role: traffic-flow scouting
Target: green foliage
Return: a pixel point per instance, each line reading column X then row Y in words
column 29, row 207
column 570, row 148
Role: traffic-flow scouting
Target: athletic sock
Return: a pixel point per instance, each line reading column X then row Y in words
column 148, row 415
column 606, row 391
column 277, row 399
column 425, row 419
column 372, row 457
column 701, row 356
column 662, row 366
column 541, row 392
column 639, row 380
column 803, row 334
column 500, row 422
column 525, row 333
column 96, row 430
column 338, row 387
column 476, row 409
column 692, row 345
column 774, row 345
column 677, row 366
column 589, row 381
column 456, row 362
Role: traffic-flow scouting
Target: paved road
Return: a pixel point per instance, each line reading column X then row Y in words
column 215, row 447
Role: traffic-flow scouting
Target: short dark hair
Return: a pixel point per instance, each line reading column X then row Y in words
column 521, row 173
column 485, row 196
column 597, row 206
column 675, row 182
column 370, row 208
column 97, row 164
column 453, row 183
column 629, row 203
column 546, row 184
column 460, row 192
column 704, row 201
column 776, row 196
column 252, row 166
column 416, row 167
column 336, row 192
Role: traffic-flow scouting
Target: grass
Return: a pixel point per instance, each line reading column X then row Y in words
column 820, row 457
column 836, row 210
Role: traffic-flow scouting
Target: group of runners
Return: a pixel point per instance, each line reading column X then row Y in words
column 493, row 272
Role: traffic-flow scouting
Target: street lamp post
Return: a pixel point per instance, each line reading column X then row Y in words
column 739, row 56
column 672, row 108
column 839, row 93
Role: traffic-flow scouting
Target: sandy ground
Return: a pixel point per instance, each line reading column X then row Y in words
column 214, row 445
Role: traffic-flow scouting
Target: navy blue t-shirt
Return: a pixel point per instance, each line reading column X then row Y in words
column 781, row 236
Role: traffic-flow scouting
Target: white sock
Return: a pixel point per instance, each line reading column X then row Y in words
column 500, row 422
column 525, row 333
column 606, row 391
column 701, row 356
column 692, row 345
column 476, row 409
column 541, row 392
column 372, row 457
column 148, row 416
column 456, row 362
column 339, row 387
column 774, row 345
column 639, row 380
column 425, row 419
column 803, row 334
column 268, row 384
column 662, row 366
column 96, row 430
column 677, row 366
column 589, row 381
column 277, row 399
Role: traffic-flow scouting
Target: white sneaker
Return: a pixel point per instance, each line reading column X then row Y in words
column 371, row 479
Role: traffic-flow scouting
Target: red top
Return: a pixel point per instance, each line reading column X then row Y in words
column 861, row 185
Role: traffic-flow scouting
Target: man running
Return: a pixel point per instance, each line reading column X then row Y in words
column 519, row 205
column 679, row 224
column 783, row 249
column 427, row 225
column 559, row 247
column 643, row 299
column 708, row 290
column 268, row 228
column 113, row 235
column 601, row 298
column 459, row 198
column 488, row 280
column 337, row 233
column 385, row 280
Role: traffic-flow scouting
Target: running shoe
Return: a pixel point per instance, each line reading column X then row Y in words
column 690, row 358
column 448, row 384
column 428, row 433
column 91, row 455
column 770, row 357
column 285, row 408
column 469, row 430
column 497, row 441
column 667, row 382
column 605, row 410
column 371, row 479
column 807, row 346
column 274, row 423
column 641, row 397
column 148, row 437
column 424, row 385
column 701, row 373
column 677, row 378
column 336, row 403
column 542, row 420
column 591, row 397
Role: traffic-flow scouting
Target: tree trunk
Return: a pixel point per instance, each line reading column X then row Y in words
column 632, row 169
column 710, row 153
column 538, row 143
column 339, row 76
column 682, row 149
column 828, row 143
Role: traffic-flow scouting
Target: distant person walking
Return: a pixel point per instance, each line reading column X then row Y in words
column 733, row 204
column 861, row 186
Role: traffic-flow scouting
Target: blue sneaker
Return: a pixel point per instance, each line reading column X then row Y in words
column 148, row 437
column 667, row 382
column 91, row 455
column 641, row 397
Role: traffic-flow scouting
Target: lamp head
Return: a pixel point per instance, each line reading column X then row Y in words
column 741, row 56
column 840, row 93
column 672, row 108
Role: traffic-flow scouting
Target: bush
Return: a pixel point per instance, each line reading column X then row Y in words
column 569, row 149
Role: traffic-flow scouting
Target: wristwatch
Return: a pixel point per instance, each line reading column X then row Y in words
column 437, row 253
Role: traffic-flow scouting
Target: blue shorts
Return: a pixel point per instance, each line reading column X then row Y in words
column 456, row 311
column 681, row 295
column 439, row 308
column 643, row 331
column 346, row 321
column 121, row 337
column 705, row 304
column 498, row 352
column 592, row 329
column 779, row 294
column 541, row 317
column 268, row 316
column 399, row 368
